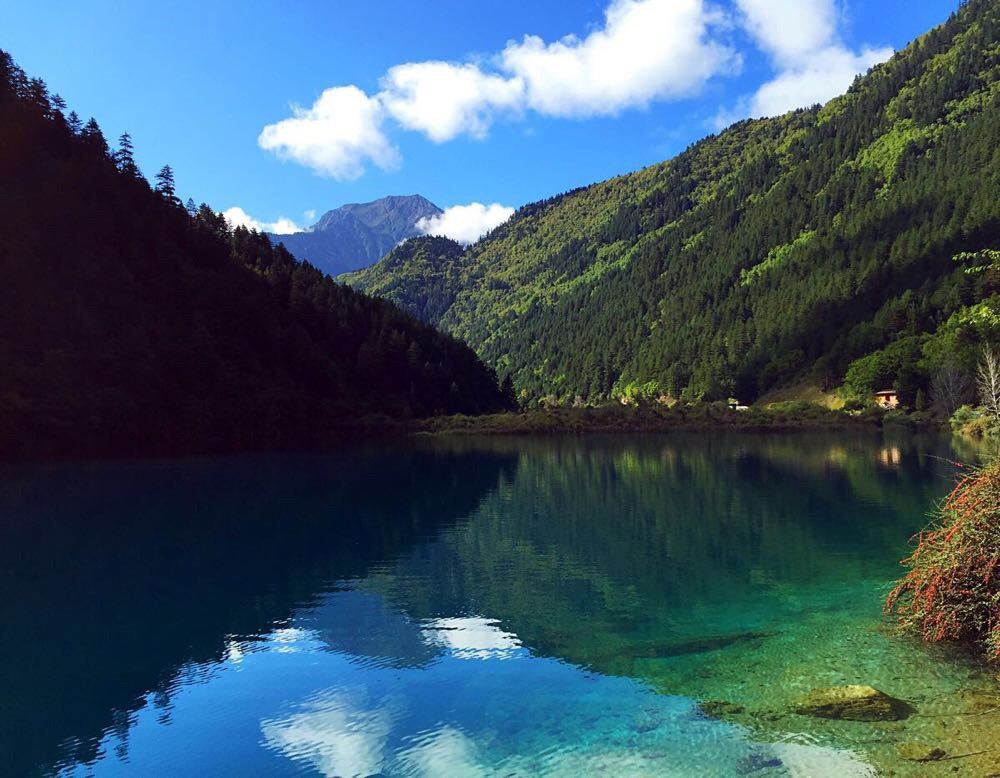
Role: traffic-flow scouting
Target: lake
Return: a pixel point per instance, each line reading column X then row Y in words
column 475, row 607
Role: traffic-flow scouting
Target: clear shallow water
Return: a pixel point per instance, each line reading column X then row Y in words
column 495, row 607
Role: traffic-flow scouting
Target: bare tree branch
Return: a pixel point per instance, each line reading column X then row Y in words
column 988, row 383
column 950, row 387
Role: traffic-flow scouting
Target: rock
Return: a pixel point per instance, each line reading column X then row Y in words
column 916, row 752
column 852, row 703
column 700, row 645
column 979, row 702
column 720, row 709
column 755, row 762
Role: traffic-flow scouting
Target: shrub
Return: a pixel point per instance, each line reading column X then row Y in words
column 853, row 404
column 970, row 421
column 952, row 589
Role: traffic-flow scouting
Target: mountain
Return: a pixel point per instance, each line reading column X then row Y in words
column 356, row 235
column 777, row 252
column 132, row 324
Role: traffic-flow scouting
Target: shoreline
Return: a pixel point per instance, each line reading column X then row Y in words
column 693, row 418
column 541, row 422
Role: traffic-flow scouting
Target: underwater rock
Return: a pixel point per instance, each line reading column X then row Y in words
column 720, row 709
column 916, row 752
column 701, row 645
column 979, row 702
column 752, row 763
column 852, row 703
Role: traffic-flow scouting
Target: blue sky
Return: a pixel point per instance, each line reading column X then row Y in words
column 495, row 118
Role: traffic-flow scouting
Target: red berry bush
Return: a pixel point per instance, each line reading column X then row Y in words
column 952, row 588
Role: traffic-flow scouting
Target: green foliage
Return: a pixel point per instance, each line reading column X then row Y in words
column 885, row 153
column 421, row 276
column 969, row 421
column 130, row 323
column 634, row 392
column 776, row 257
column 910, row 363
column 779, row 250
column 647, row 417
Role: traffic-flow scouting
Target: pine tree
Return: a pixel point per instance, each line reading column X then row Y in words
column 124, row 157
column 165, row 183
column 92, row 134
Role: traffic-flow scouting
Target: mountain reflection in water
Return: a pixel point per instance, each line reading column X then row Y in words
column 455, row 606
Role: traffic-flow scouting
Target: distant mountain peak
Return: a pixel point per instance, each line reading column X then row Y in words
column 357, row 235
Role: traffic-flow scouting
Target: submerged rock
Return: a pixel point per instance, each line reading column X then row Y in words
column 701, row 645
column 755, row 762
column 852, row 703
column 916, row 752
column 720, row 709
column 979, row 702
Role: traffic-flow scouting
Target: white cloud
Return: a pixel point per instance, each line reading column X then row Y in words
column 335, row 137
column 237, row 217
column 444, row 100
column 827, row 73
column 465, row 223
column 647, row 50
column 310, row 214
column 790, row 30
column 445, row 751
column 471, row 637
column 338, row 733
column 802, row 40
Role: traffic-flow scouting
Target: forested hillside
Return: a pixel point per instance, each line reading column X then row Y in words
column 131, row 323
column 421, row 275
column 778, row 251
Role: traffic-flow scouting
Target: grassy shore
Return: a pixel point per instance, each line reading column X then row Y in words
column 656, row 418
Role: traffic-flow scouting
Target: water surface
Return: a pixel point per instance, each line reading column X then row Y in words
column 474, row 607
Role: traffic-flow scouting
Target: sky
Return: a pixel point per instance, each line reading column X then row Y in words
column 275, row 112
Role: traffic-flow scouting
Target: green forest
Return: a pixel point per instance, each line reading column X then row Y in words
column 130, row 322
column 814, row 248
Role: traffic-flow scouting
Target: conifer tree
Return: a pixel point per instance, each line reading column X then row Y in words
column 94, row 137
column 165, row 183
column 125, row 156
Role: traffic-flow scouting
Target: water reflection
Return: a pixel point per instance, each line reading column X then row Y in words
column 118, row 576
column 602, row 552
column 471, row 637
column 457, row 606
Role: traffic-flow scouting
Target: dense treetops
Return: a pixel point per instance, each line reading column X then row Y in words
column 420, row 275
column 131, row 322
column 778, row 251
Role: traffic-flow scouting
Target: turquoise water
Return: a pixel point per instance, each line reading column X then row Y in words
column 475, row 607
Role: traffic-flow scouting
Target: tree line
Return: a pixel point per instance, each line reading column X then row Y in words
column 132, row 322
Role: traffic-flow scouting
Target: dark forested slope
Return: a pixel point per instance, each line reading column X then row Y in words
column 129, row 322
column 779, row 250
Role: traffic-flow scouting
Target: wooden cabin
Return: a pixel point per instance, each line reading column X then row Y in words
column 887, row 398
